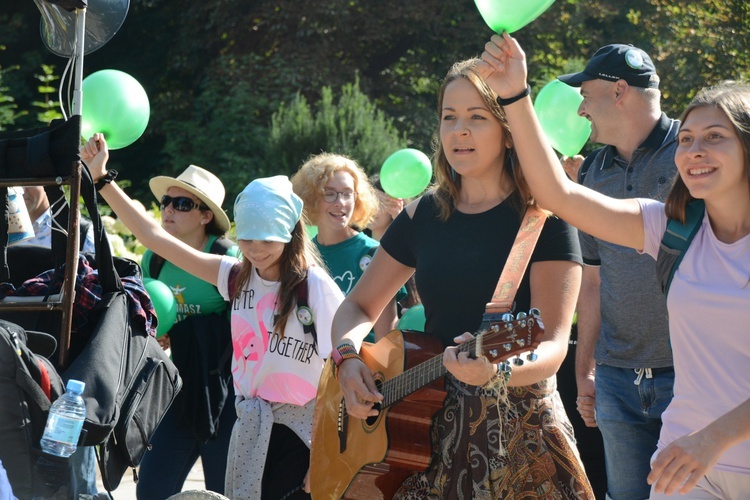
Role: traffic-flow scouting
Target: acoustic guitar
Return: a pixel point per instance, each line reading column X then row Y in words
column 369, row 458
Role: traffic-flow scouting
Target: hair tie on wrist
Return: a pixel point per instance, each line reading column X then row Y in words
column 111, row 175
column 511, row 100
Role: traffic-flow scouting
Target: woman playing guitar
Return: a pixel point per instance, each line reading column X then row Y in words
column 496, row 435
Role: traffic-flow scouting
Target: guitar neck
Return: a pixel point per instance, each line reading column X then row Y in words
column 416, row 377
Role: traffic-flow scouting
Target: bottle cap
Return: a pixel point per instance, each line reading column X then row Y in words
column 75, row 386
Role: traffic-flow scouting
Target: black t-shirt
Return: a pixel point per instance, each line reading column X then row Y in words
column 458, row 261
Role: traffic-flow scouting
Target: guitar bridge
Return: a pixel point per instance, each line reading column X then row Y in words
column 341, row 425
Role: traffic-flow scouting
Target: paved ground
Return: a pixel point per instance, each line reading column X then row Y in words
column 126, row 490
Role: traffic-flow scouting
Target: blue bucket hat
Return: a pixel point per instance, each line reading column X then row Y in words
column 267, row 210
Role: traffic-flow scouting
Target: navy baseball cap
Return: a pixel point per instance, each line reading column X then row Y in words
column 615, row 62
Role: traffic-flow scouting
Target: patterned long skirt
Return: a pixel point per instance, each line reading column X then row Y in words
column 523, row 448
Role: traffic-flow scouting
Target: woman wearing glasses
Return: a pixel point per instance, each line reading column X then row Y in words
column 340, row 200
column 191, row 212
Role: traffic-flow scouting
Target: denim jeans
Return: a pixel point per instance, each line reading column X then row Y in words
column 83, row 471
column 175, row 450
column 629, row 418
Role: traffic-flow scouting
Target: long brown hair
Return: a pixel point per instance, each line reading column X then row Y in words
column 296, row 258
column 732, row 98
column 447, row 181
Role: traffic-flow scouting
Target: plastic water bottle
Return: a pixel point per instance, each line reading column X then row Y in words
column 65, row 421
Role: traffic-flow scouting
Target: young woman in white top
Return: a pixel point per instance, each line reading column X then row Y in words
column 704, row 446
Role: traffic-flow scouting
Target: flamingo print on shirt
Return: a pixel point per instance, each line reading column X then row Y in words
column 249, row 345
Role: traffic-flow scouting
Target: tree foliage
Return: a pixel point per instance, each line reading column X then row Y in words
column 353, row 126
column 216, row 72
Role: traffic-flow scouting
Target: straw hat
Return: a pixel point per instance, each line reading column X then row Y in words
column 202, row 183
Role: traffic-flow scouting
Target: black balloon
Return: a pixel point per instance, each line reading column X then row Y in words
column 58, row 25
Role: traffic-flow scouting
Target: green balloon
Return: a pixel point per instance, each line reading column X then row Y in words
column 165, row 304
column 510, row 15
column 556, row 107
column 312, row 231
column 115, row 104
column 413, row 319
column 406, row 173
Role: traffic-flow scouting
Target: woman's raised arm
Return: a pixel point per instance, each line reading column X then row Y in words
column 147, row 230
column 618, row 221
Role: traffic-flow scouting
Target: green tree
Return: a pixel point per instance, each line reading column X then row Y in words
column 8, row 106
column 352, row 126
column 50, row 108
column 216, row 72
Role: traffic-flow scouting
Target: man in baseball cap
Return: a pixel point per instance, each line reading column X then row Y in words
column 624, row 368
column 617, row 62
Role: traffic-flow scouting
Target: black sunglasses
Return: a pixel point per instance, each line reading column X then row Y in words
column 181, row 203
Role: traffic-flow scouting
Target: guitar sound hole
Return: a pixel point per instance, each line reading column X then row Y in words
column 379, row 384
column 372, row 420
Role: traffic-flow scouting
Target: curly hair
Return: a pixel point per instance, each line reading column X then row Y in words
column 310, row 180
column 733, row 99
column 447, row 181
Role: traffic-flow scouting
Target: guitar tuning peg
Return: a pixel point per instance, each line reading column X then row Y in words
column 520, row 317
column 507, row 318
column 532, row 356
column 518, row 361
column 535, row 312
column 505, row 367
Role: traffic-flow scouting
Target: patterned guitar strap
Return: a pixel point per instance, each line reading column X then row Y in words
column 518, row 260
column 502, row 300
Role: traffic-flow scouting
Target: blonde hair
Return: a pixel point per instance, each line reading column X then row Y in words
column 296, row 258
column 447, row 181
column 310, row 180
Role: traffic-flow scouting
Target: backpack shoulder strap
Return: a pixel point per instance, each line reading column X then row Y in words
column 675, row 242
column 155, row 265
column 301, row 290
column 222, row 245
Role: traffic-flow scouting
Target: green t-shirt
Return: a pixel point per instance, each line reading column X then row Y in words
column 347, row 261
column 194, row 296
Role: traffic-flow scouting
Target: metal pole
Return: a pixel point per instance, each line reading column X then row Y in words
column 78, row 54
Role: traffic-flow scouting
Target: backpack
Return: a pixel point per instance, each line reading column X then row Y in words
column 201, row 350
column 676, row 240
column 29, row 385
column 134, row 382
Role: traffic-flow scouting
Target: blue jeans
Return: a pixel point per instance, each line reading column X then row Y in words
column 175, row 450
column 629, row 418
column 83, row 471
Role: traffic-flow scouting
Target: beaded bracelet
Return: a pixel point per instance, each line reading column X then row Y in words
column 344, row 351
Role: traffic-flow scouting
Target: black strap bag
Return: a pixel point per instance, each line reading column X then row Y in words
column 130, row 381
column 28, row 386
